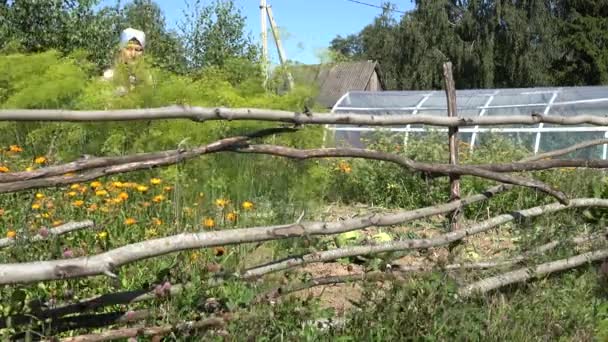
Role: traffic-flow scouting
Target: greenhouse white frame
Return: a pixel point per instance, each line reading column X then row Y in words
column 566, row 101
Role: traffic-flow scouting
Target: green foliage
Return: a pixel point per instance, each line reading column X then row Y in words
column 491, row 43
column 214, row 34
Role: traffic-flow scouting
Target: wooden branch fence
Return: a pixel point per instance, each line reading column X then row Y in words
column 107, row 263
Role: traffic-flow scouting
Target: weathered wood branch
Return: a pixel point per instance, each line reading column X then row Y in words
column 427, row 168
column 440, row 240
column 110, row 335
column 450, row 92
column 201, row 114
column 527, row 273
column 52, row 232
column 55, row 176
column 478, row 265
column 566, row 150
column 105, row 262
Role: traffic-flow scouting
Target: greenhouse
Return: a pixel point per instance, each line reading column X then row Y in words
column 563, row 101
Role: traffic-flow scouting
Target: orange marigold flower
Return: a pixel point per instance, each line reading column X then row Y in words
column 219, row 251
column 15, row 148
column 39, row 195
column 220, row 202
column 57, row 223
column 4, row 169
column 36, row 206
column 96, row 184
column 75, row 186
column 101, row 193
column 208, row 222
column 155, row 181
column 11, row 234
column 129, row 221
column 123, row 196
column 231, row 216
column 72, row 193
column 78, row 203
column 344, row 167
column 117, row 184
column 156, row 221
column 247, row 205
column 168, row 188
column 142, row 188
column 158, row 198
column 40, row 160
column 92, row 207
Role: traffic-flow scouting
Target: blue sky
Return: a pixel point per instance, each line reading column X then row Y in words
column 307, row 26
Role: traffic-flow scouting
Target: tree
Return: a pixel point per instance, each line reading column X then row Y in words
column 213, row 34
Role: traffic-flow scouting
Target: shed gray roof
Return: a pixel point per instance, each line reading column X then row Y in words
column 342, row 78
column 335, row 80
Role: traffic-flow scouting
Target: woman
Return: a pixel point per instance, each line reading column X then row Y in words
column 132, row 43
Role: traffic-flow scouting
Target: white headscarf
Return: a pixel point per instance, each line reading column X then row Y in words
column 131, row 33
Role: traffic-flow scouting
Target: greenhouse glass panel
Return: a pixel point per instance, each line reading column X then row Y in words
column 562, row 101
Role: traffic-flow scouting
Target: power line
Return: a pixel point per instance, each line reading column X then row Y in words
column 375, row 6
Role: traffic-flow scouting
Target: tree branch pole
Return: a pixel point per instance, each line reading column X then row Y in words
column 200, row 114
column 116, row 334
column 426, row 168
column 104, row 263
column 566, row 150
column 125, row 164
column 450, row 92
column 440, row 240
column 527, row 273
column 59, row 230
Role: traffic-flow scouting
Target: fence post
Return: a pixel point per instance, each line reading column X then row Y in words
column 450, row 91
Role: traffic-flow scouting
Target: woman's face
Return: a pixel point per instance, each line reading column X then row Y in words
column 132, row 51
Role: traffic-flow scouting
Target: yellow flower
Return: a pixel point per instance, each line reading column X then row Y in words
column 40, row 160
column 247, row 205
column 96, row 184
column 57, row 223
column 220, row 202
column 29, row 168
column 72, row 193
column 46, row 215
column 155, row 181
column 231, row 216
column 116, row 200
column 194, row 256
column 92, row 207
column 4, row 169
column 78, row 203
column 39, row 195
column 168, row 188
column 117, row 184
column 208, row 222
column 158, row 198
column 102, row 235
column 130, row 221
column 156, row 221
column 101, row 193
column 151, row 232
column 15, row 148
column 11, row 234
column 123, row 196
column 75, row 186
column 344, row 167
column 36, row 206
column 142, row 188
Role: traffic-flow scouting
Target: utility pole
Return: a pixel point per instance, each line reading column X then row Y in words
column 277, row 39
column 263, row 17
